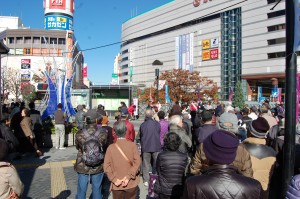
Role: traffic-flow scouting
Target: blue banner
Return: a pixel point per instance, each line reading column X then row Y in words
column 52, row 101
column 167, row 94
column 260, row 98
column 58, row 22
column 69, row 106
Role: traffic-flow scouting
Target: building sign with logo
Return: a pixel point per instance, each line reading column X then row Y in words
column 25, row 63
column 57, row 4
column 210, row 49
column 57, row 22
column 197, row 3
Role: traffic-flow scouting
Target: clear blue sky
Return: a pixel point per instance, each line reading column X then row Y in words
column 96, row 23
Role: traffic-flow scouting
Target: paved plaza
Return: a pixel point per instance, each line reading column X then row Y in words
column 52, row 175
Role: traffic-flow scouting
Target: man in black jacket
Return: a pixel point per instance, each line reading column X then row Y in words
column 220, row 180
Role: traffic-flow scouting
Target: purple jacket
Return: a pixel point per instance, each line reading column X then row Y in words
column 150, row 136
column 204, row 131
column 294, row 188
column 164, row 128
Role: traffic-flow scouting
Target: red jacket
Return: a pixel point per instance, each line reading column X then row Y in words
column 130, row 133
column 131, row 109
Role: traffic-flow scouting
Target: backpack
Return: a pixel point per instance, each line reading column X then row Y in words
column 9, row 137
column 93, row 153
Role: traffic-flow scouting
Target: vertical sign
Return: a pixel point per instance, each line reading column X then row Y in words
column 187, row 53
column 180, row 52
column 69, row 53
column 297, row 26
column 183, row 43
column 84, row 74
column 191, row 52
column 177, row 52
column 259, row 94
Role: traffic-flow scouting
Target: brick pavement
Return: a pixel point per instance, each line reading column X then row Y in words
column 52, row 175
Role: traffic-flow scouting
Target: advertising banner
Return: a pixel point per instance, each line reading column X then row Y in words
column 205, row 55
column 187, row 53
column 180, row 52
column 167, row 94
column 57, row 4
column 57, row 22
column 279, row 94
column 136, row 103
column 84, row 73
column 297, row 26
column 259, row 94
column 274, row 93
column 25, row 63
column 214, row 53
column 176, row 52
column 183, row 44
column 25, row 77
column 191, row 52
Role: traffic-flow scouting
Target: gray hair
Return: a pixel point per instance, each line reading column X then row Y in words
column 120, row 129
column 175, row 119
column 149, row 113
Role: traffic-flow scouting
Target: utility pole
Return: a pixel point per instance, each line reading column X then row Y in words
column 290, row 97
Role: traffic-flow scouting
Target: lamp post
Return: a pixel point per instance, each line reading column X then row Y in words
column 157, row 63
column 3, row 50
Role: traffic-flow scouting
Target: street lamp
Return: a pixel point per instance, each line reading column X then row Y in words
column 157, row 63
column 3, row 50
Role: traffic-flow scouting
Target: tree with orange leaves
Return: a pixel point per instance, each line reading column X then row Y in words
column 183, row 86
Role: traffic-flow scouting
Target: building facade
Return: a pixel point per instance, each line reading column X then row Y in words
column 227, row 41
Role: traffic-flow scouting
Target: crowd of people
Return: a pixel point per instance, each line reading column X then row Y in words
column 192, row 151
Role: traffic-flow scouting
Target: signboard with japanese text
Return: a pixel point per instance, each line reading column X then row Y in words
column 214, row 53
column 205, row 55
column 25, row 63
column 84, row 73
column 25, row 77
column 57, row 4
column 184, row 51
column 206, row 44
column 58, row 23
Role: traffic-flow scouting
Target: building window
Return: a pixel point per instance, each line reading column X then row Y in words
column 124, row 51
column 125, row 59
column 36, row 40
column 45, row 40
column 27, row 40
column 276, row 27
column 231, row 53
column 62, row 41
column 276, row 55
column 125, row 80
column 276, row 41
column 19, row 40
column 53, row 40
column 125, row 73
column 276, row 14
column 11, row 40
column 124, row 66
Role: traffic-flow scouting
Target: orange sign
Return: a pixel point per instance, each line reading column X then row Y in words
column 205, row 55
column 206, row 44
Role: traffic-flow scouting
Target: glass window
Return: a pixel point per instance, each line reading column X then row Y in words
column 27, row 40
column 276, row 14
column 19, row 40
column 36, row 40
column 53, row 40
column 45, row 40
column 62, row 41
column 11, row 40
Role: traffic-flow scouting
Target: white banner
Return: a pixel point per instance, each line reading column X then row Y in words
column 161, row 84
column 297, row 26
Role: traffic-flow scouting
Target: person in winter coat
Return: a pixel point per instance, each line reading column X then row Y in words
column 37, row 126
column 79, row 117
column 176, row 127
column 170, row 166
column 10, row 183
column 121, row 165
column 26, row 125
column 86, row 174
column 293, row 191
column 150, row 143
column 263, row 157
column 208, row 128
column 221, row 180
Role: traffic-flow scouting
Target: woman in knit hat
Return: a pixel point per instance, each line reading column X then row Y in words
column 263, row 157
column 10, row 183
column 221, row 180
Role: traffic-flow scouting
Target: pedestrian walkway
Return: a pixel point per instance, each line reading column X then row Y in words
column 52, row 175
